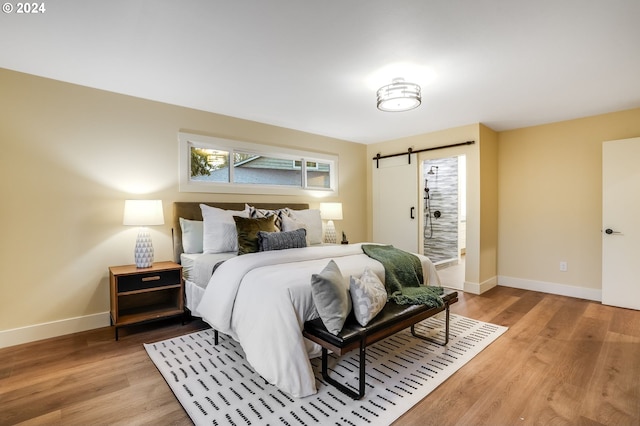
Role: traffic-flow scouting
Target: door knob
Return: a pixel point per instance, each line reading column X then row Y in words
column 610, row 231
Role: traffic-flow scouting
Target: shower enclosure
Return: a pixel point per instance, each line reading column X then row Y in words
column 443, row 216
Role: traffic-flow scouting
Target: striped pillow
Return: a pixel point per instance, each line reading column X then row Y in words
column 260, row 213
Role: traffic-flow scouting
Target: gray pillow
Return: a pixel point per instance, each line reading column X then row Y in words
column 282, row 240
column 331, row 297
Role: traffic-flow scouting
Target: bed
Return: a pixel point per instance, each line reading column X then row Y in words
column 197, row 266
column 262, row 299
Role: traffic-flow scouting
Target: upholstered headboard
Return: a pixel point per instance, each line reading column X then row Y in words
column 192, row 211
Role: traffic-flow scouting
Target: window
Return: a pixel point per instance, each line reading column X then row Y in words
column 209, row 164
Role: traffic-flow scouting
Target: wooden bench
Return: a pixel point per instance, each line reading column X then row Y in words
column 389, row 321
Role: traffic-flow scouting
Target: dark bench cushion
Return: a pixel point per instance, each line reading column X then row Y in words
column 391, row 315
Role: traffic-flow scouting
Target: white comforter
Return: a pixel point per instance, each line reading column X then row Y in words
column 263, row 299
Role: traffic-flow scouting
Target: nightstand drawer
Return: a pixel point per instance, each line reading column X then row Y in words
column 152, row 279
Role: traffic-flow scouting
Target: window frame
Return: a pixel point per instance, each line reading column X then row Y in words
column 186, row 184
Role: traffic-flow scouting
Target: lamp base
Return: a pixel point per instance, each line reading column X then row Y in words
column 330, row 233
column 143, row 253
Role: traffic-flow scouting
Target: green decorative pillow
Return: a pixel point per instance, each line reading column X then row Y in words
column 247, row 230
column 331, row 297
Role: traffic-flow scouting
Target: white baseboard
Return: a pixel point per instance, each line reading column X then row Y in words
column 31, row 333
column 552, row 288
column 47, row 330
column 479, row 288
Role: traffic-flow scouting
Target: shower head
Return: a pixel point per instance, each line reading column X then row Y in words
column 431, row 172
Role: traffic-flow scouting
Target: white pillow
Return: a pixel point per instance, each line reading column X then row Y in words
column 368, row 296
column 192, row 235
column 219, row 229
column 312, row 223
column 290, row 224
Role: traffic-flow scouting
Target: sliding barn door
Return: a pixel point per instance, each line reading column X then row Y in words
column 395, row 202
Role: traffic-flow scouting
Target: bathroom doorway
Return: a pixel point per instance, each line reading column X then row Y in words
column 444, row 210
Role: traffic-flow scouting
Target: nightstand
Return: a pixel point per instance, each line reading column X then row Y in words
column 145, row 294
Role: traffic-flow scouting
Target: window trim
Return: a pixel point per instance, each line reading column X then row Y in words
column 185, row 184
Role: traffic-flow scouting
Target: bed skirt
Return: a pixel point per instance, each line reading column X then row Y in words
column 193, row 295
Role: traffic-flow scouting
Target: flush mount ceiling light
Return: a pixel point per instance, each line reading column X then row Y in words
column 399, row 96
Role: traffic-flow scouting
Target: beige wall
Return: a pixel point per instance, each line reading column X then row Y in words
column 550, row 201
column 71, row 156
column 480, row 266
column 488, row 207
column 534, row 200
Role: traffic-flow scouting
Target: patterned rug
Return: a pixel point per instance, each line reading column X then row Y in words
column 216, row 385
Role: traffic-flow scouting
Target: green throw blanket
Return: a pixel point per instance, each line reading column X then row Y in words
column 403, row 276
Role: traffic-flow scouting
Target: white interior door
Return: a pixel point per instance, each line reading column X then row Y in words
column 620, row 224
column 395, row 202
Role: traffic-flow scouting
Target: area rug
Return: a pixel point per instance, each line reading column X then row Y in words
column 217, row 386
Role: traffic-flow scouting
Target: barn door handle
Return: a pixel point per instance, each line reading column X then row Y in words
column 411, row 212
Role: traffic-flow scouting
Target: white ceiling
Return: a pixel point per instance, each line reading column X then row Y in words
column 315, row 65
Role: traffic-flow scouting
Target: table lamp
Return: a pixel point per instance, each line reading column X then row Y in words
column 143, row 213
column 330, row 212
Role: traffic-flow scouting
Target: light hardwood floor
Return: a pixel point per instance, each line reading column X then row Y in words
column 562, row 361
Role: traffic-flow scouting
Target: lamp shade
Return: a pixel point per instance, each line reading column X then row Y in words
column 143, row 213
column 331, row 211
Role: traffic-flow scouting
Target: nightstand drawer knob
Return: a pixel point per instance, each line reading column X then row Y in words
column 154, row 278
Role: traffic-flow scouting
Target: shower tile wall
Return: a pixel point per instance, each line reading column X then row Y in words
column 441, row 245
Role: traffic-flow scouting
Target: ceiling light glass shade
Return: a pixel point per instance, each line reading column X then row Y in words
column 399, row 96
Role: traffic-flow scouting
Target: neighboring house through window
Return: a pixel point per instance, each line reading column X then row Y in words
column 209, row 164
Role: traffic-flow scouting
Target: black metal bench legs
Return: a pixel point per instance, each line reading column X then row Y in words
column 432, row 340
column 340, row 386
column 363, row 361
